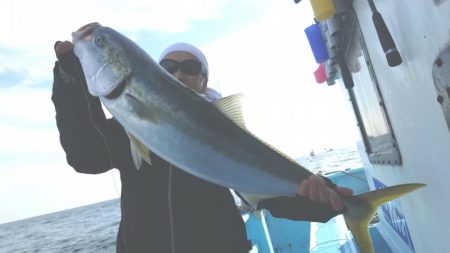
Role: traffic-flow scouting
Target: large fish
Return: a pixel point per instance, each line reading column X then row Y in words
column 206, row 140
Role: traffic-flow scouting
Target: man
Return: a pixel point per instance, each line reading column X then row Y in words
column 163, row 208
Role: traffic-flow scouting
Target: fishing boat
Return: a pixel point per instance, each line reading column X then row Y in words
column 392, row 60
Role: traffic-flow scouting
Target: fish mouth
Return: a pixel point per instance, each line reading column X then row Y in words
column 119, row 89
column 85, row 32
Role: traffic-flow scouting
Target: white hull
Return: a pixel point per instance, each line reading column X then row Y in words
column 421, row 31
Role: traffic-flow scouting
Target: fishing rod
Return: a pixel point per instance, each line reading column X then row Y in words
column 387, row 43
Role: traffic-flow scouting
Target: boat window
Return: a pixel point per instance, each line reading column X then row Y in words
column 373, row 120
column 441, row 77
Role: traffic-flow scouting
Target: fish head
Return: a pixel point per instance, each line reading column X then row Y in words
column 102, row 54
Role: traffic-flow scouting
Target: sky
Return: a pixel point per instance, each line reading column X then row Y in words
column 254, row 47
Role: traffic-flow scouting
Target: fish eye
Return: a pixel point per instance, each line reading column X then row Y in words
column 99, row 41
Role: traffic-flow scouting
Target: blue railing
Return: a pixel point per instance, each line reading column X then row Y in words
column 270, row 235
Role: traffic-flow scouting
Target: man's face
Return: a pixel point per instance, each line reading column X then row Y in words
column 196, row 81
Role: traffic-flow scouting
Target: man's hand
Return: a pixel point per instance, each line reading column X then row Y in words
column 62, row 47
column 316, row 189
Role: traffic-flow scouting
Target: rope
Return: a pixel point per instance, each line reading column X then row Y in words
column 336, row 240
column 85, row 93
column 348, row 174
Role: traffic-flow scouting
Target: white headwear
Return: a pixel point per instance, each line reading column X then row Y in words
column 210, row 94
column 186, row 47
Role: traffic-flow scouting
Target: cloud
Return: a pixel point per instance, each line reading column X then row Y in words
column 29, row 106
column 10, row 77
column 38, row 188
column 268, row 60
column 30, row 28
column 27, row 124
column 263, row 55
column 26, row 55
column 31, row 23
column 271, row 62
column 33, row 169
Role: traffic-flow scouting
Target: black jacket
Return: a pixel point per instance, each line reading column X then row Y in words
column 162, row 206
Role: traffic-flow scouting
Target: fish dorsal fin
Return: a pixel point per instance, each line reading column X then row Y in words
column 139, row 152
column 231, row 106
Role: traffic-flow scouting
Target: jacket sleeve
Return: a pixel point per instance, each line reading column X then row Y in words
column 92, row 143
column 299, row 208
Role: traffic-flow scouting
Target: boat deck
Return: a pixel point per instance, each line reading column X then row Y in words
column 269, row 234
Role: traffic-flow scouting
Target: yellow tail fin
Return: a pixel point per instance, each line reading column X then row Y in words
column 361, row 208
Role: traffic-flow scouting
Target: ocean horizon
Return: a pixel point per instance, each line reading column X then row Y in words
column 93, row 228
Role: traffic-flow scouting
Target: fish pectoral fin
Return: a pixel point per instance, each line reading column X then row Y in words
column 252, row 199
column 142, row 112
column 364, row 206
column 139, row 152
column 250, row 203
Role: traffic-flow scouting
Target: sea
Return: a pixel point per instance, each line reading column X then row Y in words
column 93, row 228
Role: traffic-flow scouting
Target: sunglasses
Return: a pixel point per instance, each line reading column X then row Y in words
column 189, row 67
